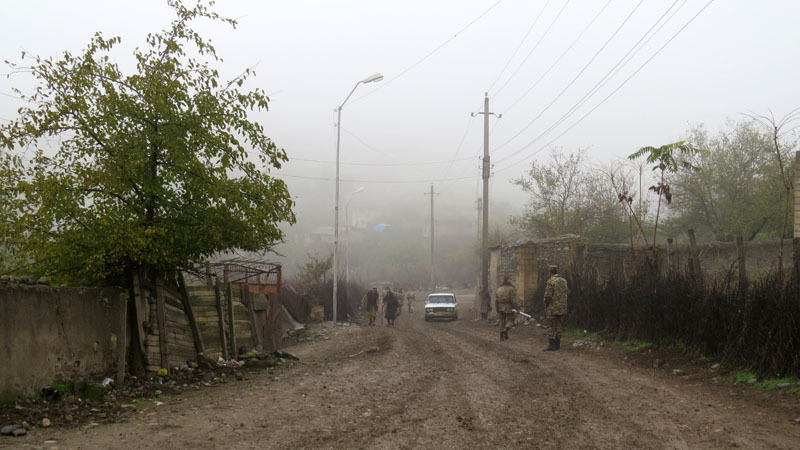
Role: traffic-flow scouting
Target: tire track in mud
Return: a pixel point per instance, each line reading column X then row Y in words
column 611, row 405
column 551, row 406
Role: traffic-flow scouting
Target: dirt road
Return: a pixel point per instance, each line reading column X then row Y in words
column 450, row 385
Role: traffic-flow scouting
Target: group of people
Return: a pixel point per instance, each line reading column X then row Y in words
column 392, row 303
column 507, row 304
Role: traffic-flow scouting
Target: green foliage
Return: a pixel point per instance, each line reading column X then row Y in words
column 577, row 333
column 667, row 159
column 566, row 198
column 156, row 168
column 635, row 345
column 738, row 189
column 312, row 274
column 743, row 376
column 775, row 383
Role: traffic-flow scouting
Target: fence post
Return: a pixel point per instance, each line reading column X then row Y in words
column 208, row 274
column 122, row 340
column 697, row 272
column 231, row 321
column 222, row 340
column 161, row 319
column 187, row 309
column 670, row 255
column 740, row 255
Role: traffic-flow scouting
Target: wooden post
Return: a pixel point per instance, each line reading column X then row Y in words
column 161, row 318
column 231, row 322
column 187, row 309
column 209, row 282
column 223, row 341
column 697, row 271
column 670, row 255
column 740, row 255
column 247, row 298
column 122, row 340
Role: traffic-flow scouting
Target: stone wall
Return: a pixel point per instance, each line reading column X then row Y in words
column 50, row 334
column 528, row 263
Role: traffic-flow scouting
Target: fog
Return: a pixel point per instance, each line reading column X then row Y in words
column 610, row 77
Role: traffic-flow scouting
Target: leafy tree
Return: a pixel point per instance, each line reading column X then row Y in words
column 668, row 158
column 556, row 196
column 312, row 275
column 735, row 192
column 153, row 169
column 566, row 197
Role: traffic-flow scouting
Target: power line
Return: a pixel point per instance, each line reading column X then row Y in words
column 612, row 92
column 431, row 53
column 546, row 32
column 280, row 175
column 586, row 66
column 555, row 63
column 606, row 78
column 449, row 161
column 522, row 41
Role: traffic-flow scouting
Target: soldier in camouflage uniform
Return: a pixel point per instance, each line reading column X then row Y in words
column 555, row 308
column 505, row 304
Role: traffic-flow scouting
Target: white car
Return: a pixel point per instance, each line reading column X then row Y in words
column 441, row 306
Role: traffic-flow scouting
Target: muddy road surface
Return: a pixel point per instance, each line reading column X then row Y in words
column 449, row 385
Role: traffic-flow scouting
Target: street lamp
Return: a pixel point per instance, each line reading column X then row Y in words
column 370, row 79
column 347, row 242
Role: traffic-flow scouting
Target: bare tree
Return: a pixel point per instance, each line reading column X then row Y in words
column 778, row 130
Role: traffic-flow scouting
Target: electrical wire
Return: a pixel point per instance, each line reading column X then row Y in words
column 680, row 30
column 431, row 53
column 546, row 32
column 555, row 63
column 608, row 76
column 280, row 175
column 449, row 161
column 522, row 41
column 586, row 66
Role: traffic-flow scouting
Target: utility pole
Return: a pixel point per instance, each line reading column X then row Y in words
column 433, row 266
column 486, row 172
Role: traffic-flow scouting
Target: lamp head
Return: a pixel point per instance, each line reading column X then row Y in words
column 371, row 78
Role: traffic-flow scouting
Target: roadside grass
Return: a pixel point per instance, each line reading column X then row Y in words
column 577, row 333
column 787, row 384
column 634, row 345
column 685, row 348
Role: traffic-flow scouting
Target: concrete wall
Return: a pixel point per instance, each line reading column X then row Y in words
column 51, row 334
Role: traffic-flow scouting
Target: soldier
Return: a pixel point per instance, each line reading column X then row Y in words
column 390, row 307
column 505, row 304
column 401, row 300
column 370, row 302
column 410, row 297
column 555, row 308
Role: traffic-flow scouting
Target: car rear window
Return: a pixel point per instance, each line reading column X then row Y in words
column 441, row 299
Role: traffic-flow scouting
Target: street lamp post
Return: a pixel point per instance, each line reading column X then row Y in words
column 370, row 79
column 347, row 241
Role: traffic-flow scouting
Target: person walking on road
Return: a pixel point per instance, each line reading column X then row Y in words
column 555, row 308
column 370, row 303
column 390, row 307
column 410, row 297
column 485, row 302
column 505, row 304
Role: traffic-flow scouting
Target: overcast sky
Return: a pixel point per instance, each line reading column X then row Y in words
column 536, row 59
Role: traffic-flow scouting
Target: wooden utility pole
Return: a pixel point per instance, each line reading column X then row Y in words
column 486, row 173
column 433, row 265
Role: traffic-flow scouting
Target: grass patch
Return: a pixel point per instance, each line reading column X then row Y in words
column 776, row 382
column 743, row 376
column 635, row 345
column 577, row 333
